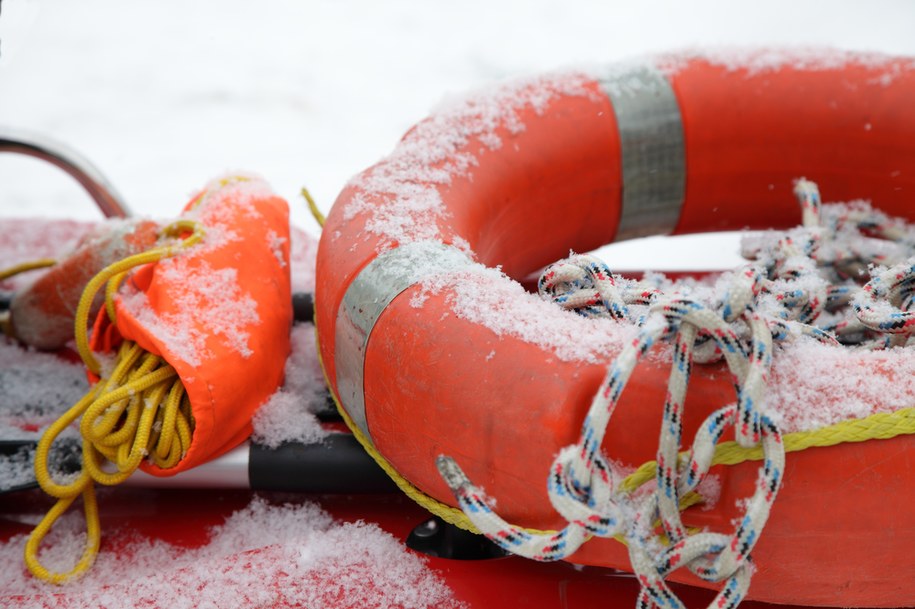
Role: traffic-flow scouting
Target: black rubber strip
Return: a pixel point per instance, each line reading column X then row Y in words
column 339, row 464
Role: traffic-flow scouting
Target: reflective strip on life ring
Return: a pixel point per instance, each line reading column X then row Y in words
column 368, row 295
column 652, row 154
column 577, row 161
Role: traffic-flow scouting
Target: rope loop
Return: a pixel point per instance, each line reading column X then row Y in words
column 590, row 506
column 583, row 284
column 540, row 546
column 884, row 303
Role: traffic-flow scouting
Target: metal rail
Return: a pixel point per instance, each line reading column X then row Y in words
column 61, row 155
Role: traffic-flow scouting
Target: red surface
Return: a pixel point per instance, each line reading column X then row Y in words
column 484, row 584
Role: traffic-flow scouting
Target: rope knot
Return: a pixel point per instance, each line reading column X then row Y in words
column 581, row 491
column 884, row 304
column 583, row 284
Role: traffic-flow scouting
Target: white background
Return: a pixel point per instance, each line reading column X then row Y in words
column 163, row 95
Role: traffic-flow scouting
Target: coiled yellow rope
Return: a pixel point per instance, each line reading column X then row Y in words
column 139, row 410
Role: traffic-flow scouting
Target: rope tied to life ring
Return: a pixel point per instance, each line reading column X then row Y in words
column 138, row 410
column 795, row 279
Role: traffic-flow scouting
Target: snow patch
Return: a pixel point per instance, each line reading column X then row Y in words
column 771, row 59
column 303, row 251
column 287, row 415
column 807, row 391
column 435, row 151
column 217, row 306
column 264, row 555
column 486, row 296
column 276, row 245
column 37, row 387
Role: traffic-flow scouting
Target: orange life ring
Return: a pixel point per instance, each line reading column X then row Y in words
column 515, row 178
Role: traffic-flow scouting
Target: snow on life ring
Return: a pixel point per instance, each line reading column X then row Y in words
column 429, row 351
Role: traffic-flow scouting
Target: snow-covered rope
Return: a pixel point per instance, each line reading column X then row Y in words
column 795, row 278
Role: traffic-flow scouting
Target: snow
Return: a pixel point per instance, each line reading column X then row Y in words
column 805, row 373
column 431, row 154
column 218, row 306
column 288, row 415
column 229, row 311
column 303, row 249
column 23, row 240
column 487, row 297
column 761, row 61
column 36, row 388
column 16, row 469
column 323, row 562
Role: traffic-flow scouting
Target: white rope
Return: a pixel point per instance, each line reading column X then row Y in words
column 795, row 278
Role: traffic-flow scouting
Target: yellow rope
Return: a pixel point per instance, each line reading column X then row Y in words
column 5, row 325
column 41, row 263
column 118, row 270
column 139, row 410
column 313, row 208
column 880, row 426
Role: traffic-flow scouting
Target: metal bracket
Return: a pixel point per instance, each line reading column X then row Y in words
column 60, row 155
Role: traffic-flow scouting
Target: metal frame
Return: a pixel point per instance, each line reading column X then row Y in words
column 102, row 192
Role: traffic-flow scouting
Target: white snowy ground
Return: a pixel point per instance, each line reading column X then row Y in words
column 164, row 94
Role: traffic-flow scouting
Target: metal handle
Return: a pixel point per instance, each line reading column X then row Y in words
column 91, row 179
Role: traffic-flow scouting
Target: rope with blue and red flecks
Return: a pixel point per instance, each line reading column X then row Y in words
column 795, row 278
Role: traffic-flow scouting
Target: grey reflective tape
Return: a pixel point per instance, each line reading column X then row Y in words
column 373, row 289
column 651, row 149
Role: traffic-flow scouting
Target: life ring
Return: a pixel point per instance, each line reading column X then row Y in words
column 430, row 351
